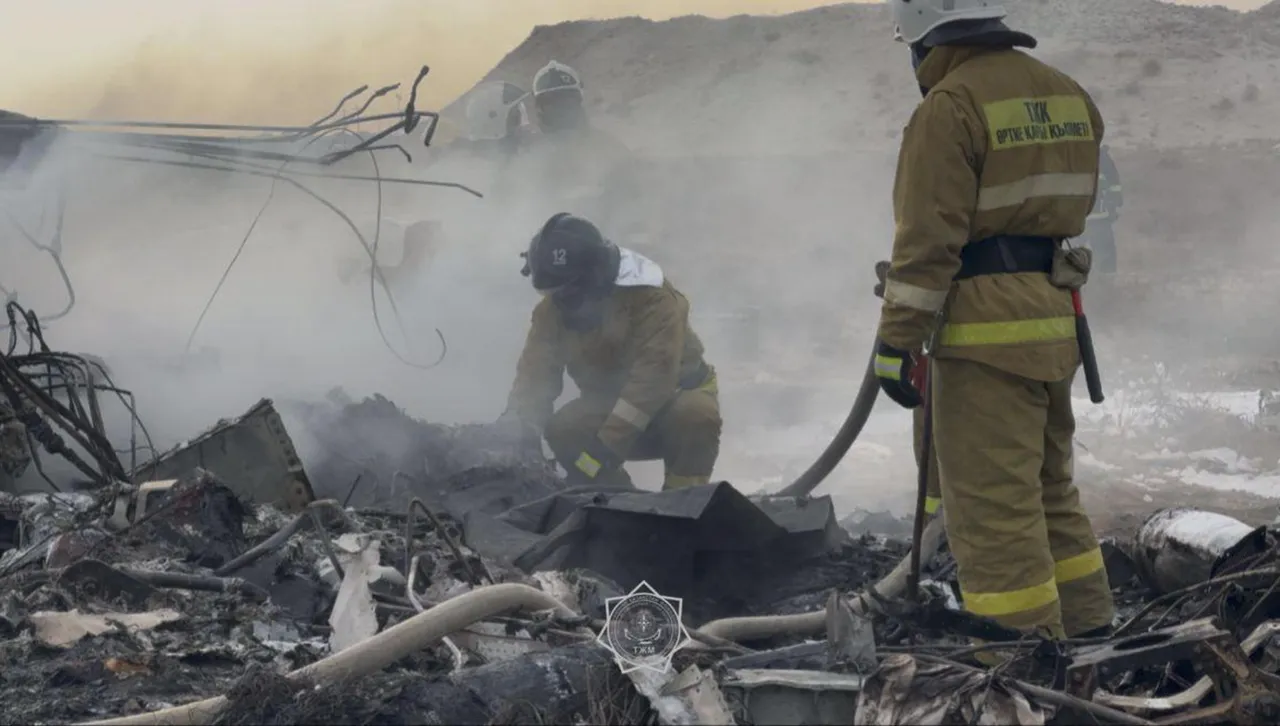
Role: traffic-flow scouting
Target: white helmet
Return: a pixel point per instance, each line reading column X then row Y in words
column 492, row 108
column 556, row 76
column 914, row 19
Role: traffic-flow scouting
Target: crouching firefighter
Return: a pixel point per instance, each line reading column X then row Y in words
column 612, row 320
column 998, row 166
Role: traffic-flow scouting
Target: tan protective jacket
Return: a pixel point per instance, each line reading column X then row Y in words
column 636, row 358
column 1002, row 144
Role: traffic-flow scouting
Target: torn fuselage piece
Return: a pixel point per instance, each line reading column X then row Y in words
column 253, row 454
column 1178, row 548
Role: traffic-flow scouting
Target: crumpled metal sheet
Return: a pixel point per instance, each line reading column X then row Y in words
column 254, row 454
column 907, row 691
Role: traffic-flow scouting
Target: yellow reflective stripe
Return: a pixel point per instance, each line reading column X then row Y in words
column 890, row 368
column 916, row 298
column 1074, row 568
column 1031, row 187
column 1014, row 331
column 675, row 481
column 587, row 464
column 995, row 604
column 632, row 415
column 931, row 505
column 1019, row 122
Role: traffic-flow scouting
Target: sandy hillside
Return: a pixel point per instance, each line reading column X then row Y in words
column 832, row 77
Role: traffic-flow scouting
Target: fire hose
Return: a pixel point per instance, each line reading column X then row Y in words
column 853, row 424
column 865, row 400
column 378, row 652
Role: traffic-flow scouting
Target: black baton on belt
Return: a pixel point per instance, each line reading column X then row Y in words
column 1088, row 359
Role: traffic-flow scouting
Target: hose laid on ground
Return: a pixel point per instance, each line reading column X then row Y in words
column 890, row 586
column 844, row 438
column 378, row 652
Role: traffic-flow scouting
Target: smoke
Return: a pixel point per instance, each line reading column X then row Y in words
column 762, row 174
column 145, row 246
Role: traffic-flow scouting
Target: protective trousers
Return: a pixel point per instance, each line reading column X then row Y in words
column 685, row 436
column 1025, row 549
column 933, row 496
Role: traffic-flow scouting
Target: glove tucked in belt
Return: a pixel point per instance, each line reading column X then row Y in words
column 898, row 371
column 593, row 461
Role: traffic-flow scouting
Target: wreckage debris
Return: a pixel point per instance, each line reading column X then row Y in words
column 477, row 598
column 253, row 453
column 1177, row 548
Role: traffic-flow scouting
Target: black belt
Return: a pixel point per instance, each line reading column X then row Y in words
column 1006, row 254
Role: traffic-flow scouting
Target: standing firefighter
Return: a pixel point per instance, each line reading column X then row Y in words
column 1099, row 232
column 998, row 166
column 610, row 317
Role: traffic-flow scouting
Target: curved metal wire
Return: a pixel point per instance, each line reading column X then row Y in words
column 233, row 156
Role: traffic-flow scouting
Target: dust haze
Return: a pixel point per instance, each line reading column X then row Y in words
column 764, row 155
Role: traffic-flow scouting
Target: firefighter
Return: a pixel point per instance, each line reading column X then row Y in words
column 496, row 116
column 1099, row 233
column 612, row 320
column 584, row 165
column 998, row 165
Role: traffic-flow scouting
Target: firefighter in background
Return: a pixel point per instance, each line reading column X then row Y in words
column 496, row 116
column 1099, row 233
column 611, row 319
column 981, row 207
column 585, row 165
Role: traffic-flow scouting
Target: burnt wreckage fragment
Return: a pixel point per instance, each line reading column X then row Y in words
column 199, row 592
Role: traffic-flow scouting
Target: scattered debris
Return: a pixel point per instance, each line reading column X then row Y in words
column 63, row 629
column 474, row 593
column 1177, row 548
column 907, row 691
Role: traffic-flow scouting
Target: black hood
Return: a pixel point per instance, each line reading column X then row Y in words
column 991, row 33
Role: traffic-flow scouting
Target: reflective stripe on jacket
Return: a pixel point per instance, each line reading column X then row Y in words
column 1001, row 145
